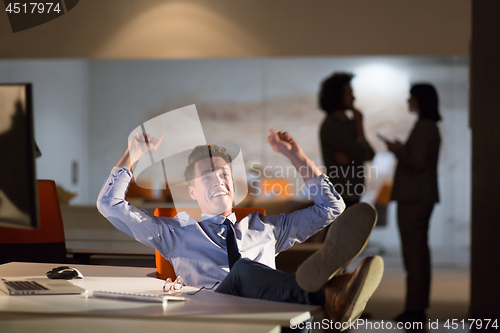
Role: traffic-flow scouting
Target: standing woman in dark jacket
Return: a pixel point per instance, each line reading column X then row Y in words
column 416, row 191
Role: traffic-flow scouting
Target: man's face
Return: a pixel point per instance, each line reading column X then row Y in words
column 213, row 187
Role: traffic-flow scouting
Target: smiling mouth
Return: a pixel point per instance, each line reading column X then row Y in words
column 219, row 194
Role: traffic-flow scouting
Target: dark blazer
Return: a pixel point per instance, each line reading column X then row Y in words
column 338, row 135
column 416, row 174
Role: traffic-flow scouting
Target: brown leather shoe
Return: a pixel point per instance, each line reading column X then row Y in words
column 347, row 294
column 345, row 240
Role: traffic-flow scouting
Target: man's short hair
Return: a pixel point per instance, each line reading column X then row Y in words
column 201, row 152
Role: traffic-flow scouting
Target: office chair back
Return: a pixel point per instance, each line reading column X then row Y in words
column 164, row 268
column 47, row 244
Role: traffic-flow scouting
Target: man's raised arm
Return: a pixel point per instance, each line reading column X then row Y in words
column 135, row 222
column 299, row 225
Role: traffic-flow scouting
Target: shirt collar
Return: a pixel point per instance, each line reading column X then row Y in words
column 219, row 219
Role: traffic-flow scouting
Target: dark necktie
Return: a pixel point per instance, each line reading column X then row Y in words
column 232, row 248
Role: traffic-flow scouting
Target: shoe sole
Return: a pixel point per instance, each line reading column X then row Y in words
column 372, row 275
column 346, row 239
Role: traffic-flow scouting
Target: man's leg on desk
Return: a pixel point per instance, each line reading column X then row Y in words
column 251, row 279
column 343, row 297
column 255, row 280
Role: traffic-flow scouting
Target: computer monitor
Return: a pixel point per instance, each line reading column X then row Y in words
column 18, row 193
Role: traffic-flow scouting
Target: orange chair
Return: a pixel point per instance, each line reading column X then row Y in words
column 47, row 244
column 164, row 268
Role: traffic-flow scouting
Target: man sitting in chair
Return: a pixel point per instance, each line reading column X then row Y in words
column 241, row 254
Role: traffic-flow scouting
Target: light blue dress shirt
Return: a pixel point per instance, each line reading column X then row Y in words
column 197, row 249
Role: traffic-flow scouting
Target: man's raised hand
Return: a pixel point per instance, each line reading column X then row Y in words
column 139, row 145
column 141, row 142
column 282, row 142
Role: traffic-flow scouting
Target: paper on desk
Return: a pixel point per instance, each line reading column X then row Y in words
column 128, row 284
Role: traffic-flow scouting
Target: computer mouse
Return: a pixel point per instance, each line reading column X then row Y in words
column 64, row 272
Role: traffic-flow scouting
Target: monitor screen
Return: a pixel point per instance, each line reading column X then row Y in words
column 18, row 194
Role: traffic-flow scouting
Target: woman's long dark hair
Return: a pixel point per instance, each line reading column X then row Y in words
column 428, row 101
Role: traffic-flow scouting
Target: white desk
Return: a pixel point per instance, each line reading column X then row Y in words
column 204, row 307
